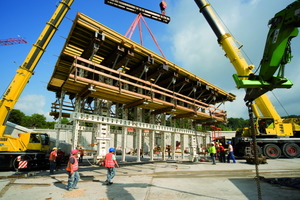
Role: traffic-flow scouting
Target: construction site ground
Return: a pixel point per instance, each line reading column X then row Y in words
column 155, row 180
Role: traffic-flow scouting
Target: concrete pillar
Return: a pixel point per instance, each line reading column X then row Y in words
column 182, row 139
column 138, row 115
column 151, row 138
column 192, row 144
column 163, row 145
column 124, row 135
column 61, row 100
column 173, row 145
column 139, row 144
column 75, row 133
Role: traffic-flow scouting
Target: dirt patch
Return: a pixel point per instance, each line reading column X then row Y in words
column 75, row 193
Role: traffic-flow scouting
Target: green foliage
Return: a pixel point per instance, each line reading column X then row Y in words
column 50, row 125
column 35, row 121
column 233, row 124
column 16, row 116
column 64, row 120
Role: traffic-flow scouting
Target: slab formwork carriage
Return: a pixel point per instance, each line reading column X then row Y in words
column 114, row 83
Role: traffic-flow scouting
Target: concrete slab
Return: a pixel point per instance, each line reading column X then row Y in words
column 159, row 180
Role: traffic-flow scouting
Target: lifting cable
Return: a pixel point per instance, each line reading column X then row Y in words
column 280, row 103
column 254, row 145
column 132, row 27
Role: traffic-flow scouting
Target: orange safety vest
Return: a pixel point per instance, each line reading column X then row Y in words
column 53, row 155
column 109, row 161
column 72, row 167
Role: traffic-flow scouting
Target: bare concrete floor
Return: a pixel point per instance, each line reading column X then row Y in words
column 158, row 180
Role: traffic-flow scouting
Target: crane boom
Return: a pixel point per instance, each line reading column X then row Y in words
column 25, row 71
column 234, row 54
column 283, row 28
column 270, row 135
column 11, row 41
column 262, row 105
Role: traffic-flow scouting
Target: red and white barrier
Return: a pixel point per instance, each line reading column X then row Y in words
column 22, row 163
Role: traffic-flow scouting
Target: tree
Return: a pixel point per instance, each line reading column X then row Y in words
column 16, row 116
column 35, row 121
column 236, row 123
column 49, row 125
column 64, row 120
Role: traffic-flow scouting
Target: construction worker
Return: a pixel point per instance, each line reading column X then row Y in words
column 59, row 158
column 163, row 6
column 52, row 159
column 230, row 155
column 222, row 153
column 81, row 154
column 72, row 168
column 169, row 151
column 212, row 150
column 110, row 163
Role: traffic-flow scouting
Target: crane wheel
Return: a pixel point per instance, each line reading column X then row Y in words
column 272, row 151
column 259, row 151
column 290, row 150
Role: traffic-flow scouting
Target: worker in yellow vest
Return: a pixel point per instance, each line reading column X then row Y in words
column 72, row 168
column 212, row 150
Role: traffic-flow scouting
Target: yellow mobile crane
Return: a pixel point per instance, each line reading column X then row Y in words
column 32, row 147
column 274, row 136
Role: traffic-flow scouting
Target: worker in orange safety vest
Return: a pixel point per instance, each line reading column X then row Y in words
column 110, row 163
column 72, row 168
column 52, row 159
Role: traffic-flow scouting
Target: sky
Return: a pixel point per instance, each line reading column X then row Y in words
column 187, row 41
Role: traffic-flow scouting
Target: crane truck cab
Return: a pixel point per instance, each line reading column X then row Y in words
column 32, row 147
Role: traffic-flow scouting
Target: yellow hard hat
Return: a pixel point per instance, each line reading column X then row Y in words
column 54, row 148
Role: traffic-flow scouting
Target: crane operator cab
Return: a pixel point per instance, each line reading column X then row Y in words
column 265, row 125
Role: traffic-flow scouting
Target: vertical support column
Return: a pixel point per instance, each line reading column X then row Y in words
column 116, row 132
column 173, row 141
column 97, row 111
column 192, row 144
column 151, row 137
column 205, row 145
column 103, row 138
column 163, row 145
column 182, row 139
column 173, row 145
column 138, row 132
column 75, row 133
column 79, row 140
column 116, row 139
column 76, row 124
column 139, row 144
column 182, row 146
column 124, row 135
column 103, row 131
column 61, row 100
column 163, row 137
column 143, row 142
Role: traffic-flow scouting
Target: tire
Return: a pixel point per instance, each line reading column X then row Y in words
column 15, row 163
column 259, row 151
column 290, row 150
column 272, row 151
